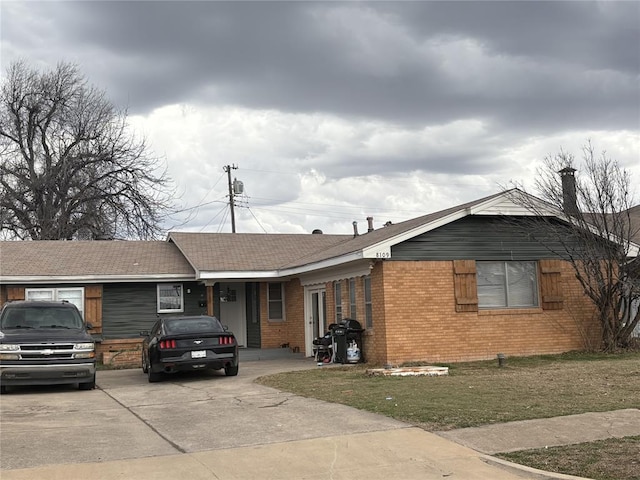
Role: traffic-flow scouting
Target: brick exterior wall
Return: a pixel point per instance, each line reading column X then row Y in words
column 294, row 306
column 290, row 331
column 415, row 319
column 374, row 349
column 126, row 353
column 418, row 321
column 330, row 303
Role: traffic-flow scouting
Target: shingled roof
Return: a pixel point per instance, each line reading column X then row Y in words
column 259, row 252
column 187, row 255
column 135, row 260
column 250, row 251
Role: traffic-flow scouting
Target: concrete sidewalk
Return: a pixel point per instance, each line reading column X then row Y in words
column 401, row 454
column 548, row 432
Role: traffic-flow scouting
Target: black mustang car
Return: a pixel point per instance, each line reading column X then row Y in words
column 179, row 344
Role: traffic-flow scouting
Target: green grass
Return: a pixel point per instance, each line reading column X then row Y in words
column 480, row 393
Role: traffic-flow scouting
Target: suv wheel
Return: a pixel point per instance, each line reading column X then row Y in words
column 88, row 385
column 231, row 371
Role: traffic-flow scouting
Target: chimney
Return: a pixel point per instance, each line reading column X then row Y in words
column 569, row 198
column 355, row 229
column 370, row 222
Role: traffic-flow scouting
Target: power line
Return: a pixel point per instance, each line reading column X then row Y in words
column 257, row 221
column 199, row 205
column 224, row 219
column 222, row 210
column 322, row 205
column 324, row 214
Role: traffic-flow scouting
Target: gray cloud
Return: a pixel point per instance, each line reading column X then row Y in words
column 350, row 90
column 540, row 65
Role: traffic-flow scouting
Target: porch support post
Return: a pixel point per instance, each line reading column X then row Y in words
column 210, row 300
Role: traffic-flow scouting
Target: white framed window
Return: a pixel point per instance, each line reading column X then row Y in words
column 275, row 301
column 338, row 300
column 368, row 303
column 507, row 284
column 352, row 299
column 170, row 298
column 73, row 295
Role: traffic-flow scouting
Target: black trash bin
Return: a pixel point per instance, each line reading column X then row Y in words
column 339, row 335
column 347, row 341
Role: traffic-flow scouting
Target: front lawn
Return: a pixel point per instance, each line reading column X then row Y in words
column 481, row 393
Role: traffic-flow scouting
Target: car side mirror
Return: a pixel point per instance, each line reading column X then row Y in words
column 89, row 326
column 144, row 333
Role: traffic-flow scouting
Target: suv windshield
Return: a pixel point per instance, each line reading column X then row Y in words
column 33, row 316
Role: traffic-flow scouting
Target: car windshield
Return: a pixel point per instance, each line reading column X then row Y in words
column 193, row 325
column 40, row 317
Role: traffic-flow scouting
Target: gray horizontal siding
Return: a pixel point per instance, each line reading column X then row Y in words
column 472, row 238
column 129, row 308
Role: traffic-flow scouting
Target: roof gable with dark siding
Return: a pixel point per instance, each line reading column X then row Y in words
column 475, row 238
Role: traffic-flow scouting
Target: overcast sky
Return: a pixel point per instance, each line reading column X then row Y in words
column 335, row 111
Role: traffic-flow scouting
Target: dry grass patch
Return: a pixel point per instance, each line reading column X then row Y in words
column 613, row 459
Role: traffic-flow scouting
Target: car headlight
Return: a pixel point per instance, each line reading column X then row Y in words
column 84, row 346
column 7, row 347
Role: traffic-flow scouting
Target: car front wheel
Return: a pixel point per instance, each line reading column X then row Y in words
column 144, row 363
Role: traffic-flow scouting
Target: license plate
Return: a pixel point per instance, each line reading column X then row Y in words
column 198, row 354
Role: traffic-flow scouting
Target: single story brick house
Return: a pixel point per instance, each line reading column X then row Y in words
column 456, row 285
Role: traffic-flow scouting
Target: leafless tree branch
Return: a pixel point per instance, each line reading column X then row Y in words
column 70, row 168
column 595, row 234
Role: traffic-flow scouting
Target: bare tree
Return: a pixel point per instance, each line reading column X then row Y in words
column 595, row 234
column 69, row 167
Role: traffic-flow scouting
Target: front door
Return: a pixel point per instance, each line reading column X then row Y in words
column 315, row 315
column 233, row 310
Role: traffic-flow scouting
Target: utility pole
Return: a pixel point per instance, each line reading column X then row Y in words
column 228, row 169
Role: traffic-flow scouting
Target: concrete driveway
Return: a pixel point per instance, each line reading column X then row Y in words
column 212, row 426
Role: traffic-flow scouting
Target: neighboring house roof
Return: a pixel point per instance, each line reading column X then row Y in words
column 634, row 215
column 91, row 261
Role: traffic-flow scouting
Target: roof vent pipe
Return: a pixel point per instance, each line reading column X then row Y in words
column 569, row 198
column 355, row 228
column 370, row 222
